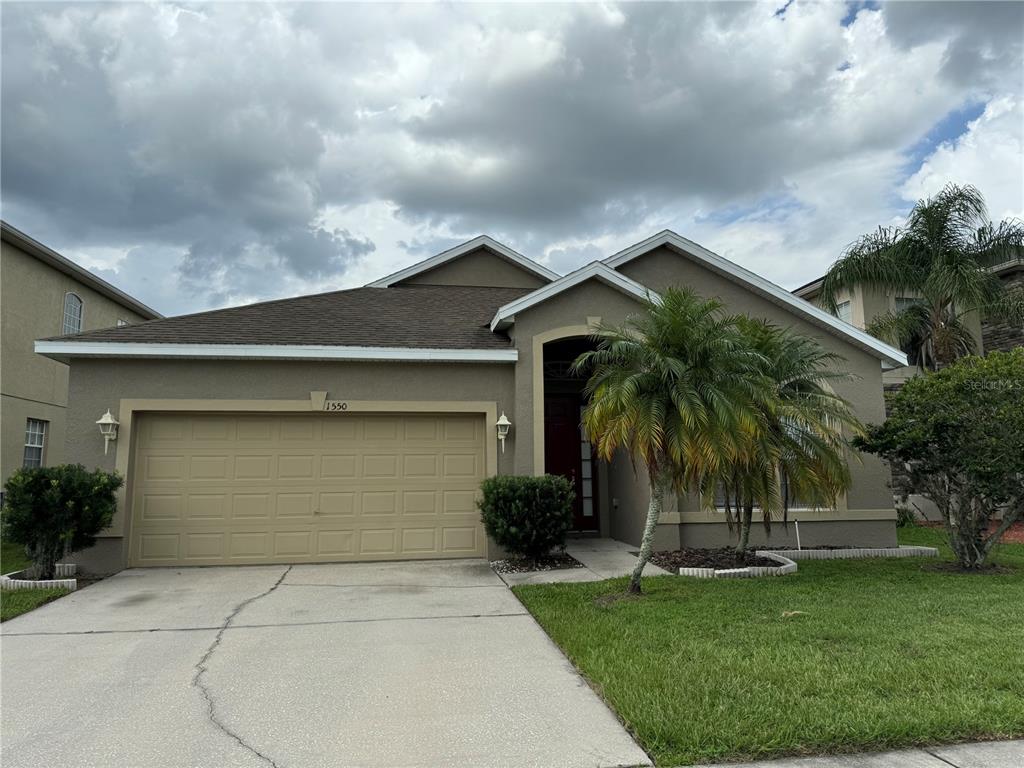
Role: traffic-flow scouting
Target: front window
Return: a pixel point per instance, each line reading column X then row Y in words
column 905, row 302
column 35, row 442
column 72, row 314
column 844, row 311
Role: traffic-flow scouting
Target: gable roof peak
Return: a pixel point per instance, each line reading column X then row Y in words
column 480, row 241
column 776, row 294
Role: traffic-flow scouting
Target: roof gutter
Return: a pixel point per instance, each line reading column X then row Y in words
column 63, row 351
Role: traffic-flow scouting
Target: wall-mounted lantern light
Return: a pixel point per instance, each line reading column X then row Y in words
column 503, row 425
column 108, row 428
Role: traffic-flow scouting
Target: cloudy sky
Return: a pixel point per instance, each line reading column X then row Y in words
column 203, row 155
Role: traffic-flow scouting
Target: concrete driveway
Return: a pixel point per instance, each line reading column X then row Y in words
column 385, row 664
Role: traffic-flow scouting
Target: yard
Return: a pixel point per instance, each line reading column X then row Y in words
column 843, row 656
column 12, row 558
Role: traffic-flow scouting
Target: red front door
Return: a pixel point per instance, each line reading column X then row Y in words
column 567, row 453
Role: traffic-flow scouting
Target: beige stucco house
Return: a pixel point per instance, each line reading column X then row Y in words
column 43, row 294
column 358, row 424
column 863, row 304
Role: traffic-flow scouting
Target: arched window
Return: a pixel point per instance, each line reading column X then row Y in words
column 72, row 313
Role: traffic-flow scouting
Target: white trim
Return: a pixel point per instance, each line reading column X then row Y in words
column 451, row 254
column 887, row 353
column 595, row 269
column 65, row 349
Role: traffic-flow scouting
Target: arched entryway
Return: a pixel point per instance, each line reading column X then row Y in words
column 567, row 451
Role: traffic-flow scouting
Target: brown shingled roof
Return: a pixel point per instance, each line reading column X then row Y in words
column 421, row 316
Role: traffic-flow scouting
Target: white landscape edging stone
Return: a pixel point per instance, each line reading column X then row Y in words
column 785, row 567
column 853, row 554
column 12, row 581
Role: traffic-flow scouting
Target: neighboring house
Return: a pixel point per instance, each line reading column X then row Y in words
column 358, row 424
column 862, row 305
column 42, row 294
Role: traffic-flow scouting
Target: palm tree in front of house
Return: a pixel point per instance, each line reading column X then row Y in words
column 800, row 451
column 676, row 387
column 941, row 259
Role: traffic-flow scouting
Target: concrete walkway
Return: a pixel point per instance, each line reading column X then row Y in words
column 985, row 754
column 602, row 559
column 377, row 664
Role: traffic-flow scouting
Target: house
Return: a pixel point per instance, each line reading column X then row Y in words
column 42, row 294
column 358, row 424
column 863, row 304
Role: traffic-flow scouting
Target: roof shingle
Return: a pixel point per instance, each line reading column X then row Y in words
column 421, row 316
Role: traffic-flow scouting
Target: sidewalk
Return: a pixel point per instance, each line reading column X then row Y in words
column 602, row 559
column 985, row 754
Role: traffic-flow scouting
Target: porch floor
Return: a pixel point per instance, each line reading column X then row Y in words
column 602, row 559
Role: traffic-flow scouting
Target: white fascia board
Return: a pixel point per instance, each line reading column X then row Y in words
column 68, row 349
column 595, row 270
column 460, row 250
column 890, row 355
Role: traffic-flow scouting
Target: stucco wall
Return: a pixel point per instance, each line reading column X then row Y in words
column 32, row 307
column 481, row 267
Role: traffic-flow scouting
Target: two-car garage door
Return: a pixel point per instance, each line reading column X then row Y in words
column 214, row 489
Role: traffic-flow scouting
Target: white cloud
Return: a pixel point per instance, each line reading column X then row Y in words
column 989, row 155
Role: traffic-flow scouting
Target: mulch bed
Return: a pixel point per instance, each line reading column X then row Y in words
column 556, row 562
column 708, row 558
column 820, row 546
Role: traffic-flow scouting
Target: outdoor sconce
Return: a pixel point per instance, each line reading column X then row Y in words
column 108, row 428
column 503, row 424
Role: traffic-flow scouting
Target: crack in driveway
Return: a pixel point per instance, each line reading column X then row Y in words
column 201, row 669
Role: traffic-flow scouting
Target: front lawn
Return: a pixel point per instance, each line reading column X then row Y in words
column 844, row 655
column 15, row 603
column 12, row 557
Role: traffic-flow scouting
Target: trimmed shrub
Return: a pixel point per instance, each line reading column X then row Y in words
column 528, row 516
column 54, row 511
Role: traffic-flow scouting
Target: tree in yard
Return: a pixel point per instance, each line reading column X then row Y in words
column 54, row 511
column 941, row 256
column 959, row 433
column 674, row 386
column 799, row 450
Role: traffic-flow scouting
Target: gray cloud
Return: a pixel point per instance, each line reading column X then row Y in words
column 985, row 38
column 242, row 151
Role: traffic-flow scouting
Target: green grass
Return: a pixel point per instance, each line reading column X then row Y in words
column 15, row 603
column 21, row 601
column 12, row 557
column 881, row 654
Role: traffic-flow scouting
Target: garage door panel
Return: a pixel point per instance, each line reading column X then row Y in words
column 251, row 506
column 249, row 545
column 257, row 467
column 204, row 546
column 230, row 489
column 207, row 506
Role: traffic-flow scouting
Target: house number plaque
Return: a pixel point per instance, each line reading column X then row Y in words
column 335, row 405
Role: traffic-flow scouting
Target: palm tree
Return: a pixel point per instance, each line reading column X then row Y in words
column 674, row 386
column 943, row 255
column 799, row 450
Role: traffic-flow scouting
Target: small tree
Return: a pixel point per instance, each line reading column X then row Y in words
column 527, row 516
column 959, row 433
column 674, row 387
column 54, row 511
column 799, row 450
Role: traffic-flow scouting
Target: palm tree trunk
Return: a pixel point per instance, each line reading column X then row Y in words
column 746, row 520
column 658, row 484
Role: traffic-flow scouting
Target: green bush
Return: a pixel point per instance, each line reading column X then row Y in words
column 958, row 436
column 54, row 511
column 528, row 516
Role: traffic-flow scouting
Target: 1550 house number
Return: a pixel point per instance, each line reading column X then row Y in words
column 335, row 405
